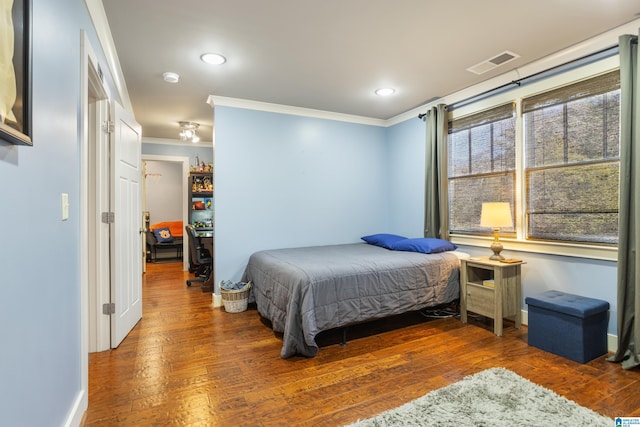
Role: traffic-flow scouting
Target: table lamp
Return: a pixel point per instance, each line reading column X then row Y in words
column 496, row 215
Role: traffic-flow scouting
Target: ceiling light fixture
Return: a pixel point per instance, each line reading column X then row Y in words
column 213, row 58
column 188, row 131
column 386, row 91
column 171, row 77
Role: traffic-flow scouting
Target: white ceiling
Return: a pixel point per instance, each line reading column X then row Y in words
column 331, row 55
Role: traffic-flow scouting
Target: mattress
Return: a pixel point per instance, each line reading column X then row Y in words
column 303, row 291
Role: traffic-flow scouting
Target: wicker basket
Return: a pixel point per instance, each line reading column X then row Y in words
column 235, row 301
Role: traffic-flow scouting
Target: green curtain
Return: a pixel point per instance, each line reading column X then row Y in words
column 436, row 222
column 629, row 234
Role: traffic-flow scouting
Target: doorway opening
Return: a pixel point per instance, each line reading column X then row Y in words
column 168, row 163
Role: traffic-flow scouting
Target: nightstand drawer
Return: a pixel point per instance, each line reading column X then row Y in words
column 480, row 299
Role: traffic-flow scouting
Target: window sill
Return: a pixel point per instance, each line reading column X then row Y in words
column 606, row 253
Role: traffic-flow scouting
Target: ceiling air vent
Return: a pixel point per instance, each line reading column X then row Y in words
column 492, row 63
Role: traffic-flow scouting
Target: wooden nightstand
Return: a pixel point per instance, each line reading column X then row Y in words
column 502, row 300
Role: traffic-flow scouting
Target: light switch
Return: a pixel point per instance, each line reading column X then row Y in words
column 64, row 199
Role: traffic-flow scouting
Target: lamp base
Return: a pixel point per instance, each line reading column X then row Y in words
column 496, row 247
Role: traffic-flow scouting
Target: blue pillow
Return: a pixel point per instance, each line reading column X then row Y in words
column 426, row 245
column 383, row 240
column 163, row 235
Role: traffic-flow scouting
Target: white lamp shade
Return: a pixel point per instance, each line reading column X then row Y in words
column 496, row 214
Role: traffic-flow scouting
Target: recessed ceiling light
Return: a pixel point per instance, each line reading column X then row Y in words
column 385, row 91
column 170, row 77
column 213, row 58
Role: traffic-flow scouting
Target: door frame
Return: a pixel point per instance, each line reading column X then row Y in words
column 92, row 89
column 185, row 193
column 94, row 199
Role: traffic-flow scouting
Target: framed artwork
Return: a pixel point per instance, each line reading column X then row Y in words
column 15, row 71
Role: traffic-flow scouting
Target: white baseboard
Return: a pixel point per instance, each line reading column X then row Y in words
column 78, row 409
column 612, row 343
column 217, row 300
column 525, row 317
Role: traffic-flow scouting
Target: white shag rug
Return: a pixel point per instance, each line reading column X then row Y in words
column 495, row 397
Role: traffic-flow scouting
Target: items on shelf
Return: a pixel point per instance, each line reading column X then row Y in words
column 201, row 200
column 199, row 166
column 201, row 183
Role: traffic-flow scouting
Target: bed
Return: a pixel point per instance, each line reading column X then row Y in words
column 304, row 291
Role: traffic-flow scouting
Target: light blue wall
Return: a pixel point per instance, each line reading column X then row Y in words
column 587, row 277
column 406, row 162
column 285, row 181
column 164, row 186
column 40, row 366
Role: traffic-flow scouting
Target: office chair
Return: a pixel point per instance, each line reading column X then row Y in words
column 199, row 255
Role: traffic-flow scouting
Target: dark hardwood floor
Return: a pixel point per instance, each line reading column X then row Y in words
column 189, row 364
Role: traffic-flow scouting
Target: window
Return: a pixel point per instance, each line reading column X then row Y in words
column 557, row 163
column 572, row 140
column 482, row 165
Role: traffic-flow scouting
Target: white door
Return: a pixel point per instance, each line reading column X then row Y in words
column 126, row 193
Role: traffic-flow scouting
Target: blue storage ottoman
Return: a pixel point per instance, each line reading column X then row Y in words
column 568, row 325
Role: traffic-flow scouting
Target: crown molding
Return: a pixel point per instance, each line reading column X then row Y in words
column 215, row 100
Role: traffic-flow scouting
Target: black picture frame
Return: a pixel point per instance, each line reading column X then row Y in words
column 18, row 131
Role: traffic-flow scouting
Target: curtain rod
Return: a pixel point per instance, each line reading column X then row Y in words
column 568, row 66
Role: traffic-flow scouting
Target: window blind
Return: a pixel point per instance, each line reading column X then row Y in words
column 481, row 165
column 584, row 89
column 572, row 161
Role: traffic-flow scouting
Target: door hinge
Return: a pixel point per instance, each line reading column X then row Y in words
column 108, row 217
column 109, row 308
column 108, row 126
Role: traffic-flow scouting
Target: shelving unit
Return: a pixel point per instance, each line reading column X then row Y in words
column 502, row 300
column 201, row 200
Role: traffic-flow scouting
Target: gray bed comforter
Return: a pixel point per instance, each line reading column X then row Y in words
column 304, row 291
